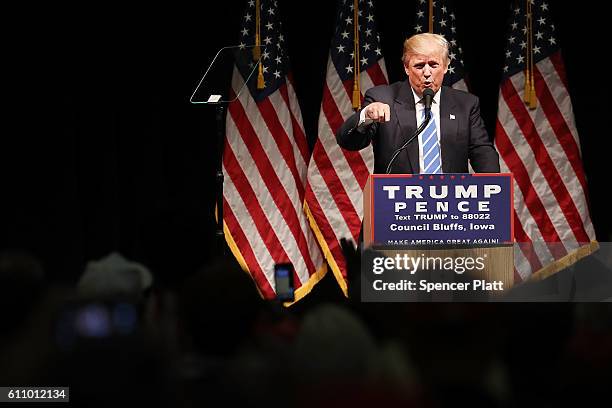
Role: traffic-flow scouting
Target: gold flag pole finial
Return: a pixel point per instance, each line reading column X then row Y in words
column 431, row 16
column 257, row 50
column 356, row 85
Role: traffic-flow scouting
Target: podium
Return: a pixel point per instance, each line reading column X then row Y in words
column 463, row 222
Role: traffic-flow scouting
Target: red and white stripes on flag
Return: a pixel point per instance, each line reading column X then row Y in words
column 540, row 146
column 265, row 162
column 336, row 177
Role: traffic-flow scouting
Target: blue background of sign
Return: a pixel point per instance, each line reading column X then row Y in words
column 499, row 208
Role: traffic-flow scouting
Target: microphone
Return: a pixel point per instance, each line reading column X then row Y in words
column 428, row 95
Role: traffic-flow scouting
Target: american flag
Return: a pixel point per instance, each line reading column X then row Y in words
column 336, row 177
column 265, row 162
column 444, row 23
column 539, row 145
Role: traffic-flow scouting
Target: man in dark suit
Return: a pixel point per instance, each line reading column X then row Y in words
column 392, row 113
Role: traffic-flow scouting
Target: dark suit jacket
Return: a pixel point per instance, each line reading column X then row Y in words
column 462, row 138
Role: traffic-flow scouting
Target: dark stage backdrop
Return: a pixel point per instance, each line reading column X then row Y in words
column 104, row 150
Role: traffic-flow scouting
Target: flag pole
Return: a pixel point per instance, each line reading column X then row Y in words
column 257, row 50
column 431, row 16
column 529, row 96
column 532, row 94
column 527, row 54
column 356, row 84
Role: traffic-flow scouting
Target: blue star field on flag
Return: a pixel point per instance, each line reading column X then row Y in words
column 544, row 39
column 274, row 59
column 342, row 52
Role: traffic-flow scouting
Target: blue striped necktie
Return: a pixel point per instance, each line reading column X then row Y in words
column 432, row 162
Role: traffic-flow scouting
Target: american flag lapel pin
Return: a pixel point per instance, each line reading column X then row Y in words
column 452, row 117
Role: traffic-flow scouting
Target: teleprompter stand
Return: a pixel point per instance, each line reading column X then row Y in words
column 214, row 90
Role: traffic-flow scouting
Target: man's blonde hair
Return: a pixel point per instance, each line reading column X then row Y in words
column 420, row 43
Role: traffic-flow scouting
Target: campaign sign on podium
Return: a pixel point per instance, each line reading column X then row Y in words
column 437, row 237
column 441, row 209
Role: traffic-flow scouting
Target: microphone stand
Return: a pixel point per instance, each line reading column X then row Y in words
column 420, row 129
